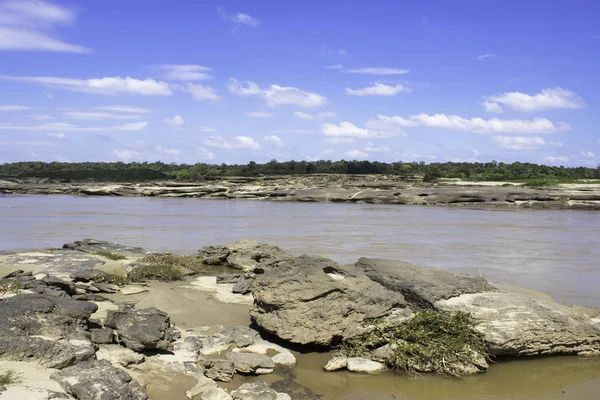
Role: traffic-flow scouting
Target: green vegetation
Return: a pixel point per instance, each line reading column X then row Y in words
column 10, row 286
column 122, row 172
column 442, row 342
column 164, row 267
column 9, row 377
column 110, row 255
column 114, row 279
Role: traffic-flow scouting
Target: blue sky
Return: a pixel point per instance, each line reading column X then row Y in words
column 234, row 81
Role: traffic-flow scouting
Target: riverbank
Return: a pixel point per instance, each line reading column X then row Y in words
column 370, row 189
column 195, row 312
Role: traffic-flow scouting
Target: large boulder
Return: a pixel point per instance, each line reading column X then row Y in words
column 144, row 329
column 529, row 323
column 421, row 286
column 244, row 254
column 99, row 380
column 314, row 300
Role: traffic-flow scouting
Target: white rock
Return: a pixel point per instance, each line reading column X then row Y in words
column 127, row 290
column 283, row 356
column 216, row 394
column 119, row 356
column 336, row 363
column 364, row 366
column 283, row 396
column 263, row 371
column 204, row 384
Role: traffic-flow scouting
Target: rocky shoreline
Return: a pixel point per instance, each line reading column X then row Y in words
column 372, row 189
column 63, row 319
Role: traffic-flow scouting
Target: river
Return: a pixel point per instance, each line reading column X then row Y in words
column 556, row 252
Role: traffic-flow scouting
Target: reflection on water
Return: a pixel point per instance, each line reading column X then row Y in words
column 552, row 251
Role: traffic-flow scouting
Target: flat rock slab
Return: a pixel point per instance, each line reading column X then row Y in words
column 254, row 391
column 128, row 290
column 251, row 363
column 300, row 302
column 521, row 324
column 421, row 286
column 59, row 263
column 94, row 246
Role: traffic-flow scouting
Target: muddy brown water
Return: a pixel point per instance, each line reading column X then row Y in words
column 555, row 252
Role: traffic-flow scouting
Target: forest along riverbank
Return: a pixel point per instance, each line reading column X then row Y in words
column 193, row 338
column 373, row 189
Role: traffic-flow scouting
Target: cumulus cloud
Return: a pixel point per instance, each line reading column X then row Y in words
column 57, row 135
column 485, row 56
column 126, row 154
column 205, row 129
column 259, row 114
column 124, row 109
column 13, row 107
column 29, row 24
column 522, row 143
column 238, row 142
column 321, row 116
column 357, row 154
column 107, row 86
column 136, row 126
column 66, row 127
column 165, row 150
column 176, row 122
column 555, row 144
column 274, row 139
column 378, row 71
column 547, row 99
column 185, row 72
column 372, row 148
column 238, row 18
column 587, row 154
column 339, row 140
column 204, row 154
column 475, row 125
column 557, row 159
column 276, row 95
column 200, row 92
column 492, row 107
column 349, row 130
column 379, row 89
column 96, row 115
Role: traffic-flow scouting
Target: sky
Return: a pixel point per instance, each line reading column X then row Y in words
column 239, row 81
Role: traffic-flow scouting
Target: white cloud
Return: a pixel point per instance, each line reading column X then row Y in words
column 126, row 155
column 555, row 144
column 476, row 153
column 63, row 126
column 545, row 100
column 276, row 95
column 339, row 140
column 274, row 139
column 204, row 154
column 108, row 86
column 176, row 122
column 357, row 154
column 379, row 89
column 13, row 107
column 205, row 129
column 349, row 130
column 486, row 56
column 57, row 135
column 259, row 114
column 322, row 115
column 171, row 152
column 370, row 147
column 238, row 18
column 185, row 72
column 27, row 25
column 238, row 142
column 96, row 115
column 554, row 160
column 336, row 66
column 378, row 71
column 475, row 125
column 200, row 92
column 492, row 107
column 587, row 154
column 521, row 143
column 124, row 109
column 294, row 132
column 41, row 117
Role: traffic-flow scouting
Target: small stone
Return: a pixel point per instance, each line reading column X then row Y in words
column 106, row 287
column 336, row 363
column 119, row 355
column 250, row 362
column 219, row 370
column 364, row 366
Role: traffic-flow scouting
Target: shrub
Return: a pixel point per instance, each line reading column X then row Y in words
column 8, row 377
column 164, row 267
column 10, row 286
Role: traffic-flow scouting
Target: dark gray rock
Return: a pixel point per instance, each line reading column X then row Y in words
column 243, row 286
column 59, row 263
column 421, row 286
column 219, row 370
column 87, row 275
column 251, row 363
column 65, row 286
column 149, row 328
column 222, row 279
column 294, row 390
column 94, row 246
column 214, row 255
column 89, row 297
column 106, row 287
column 49, row 353
column 99, row 380
column 102, row 336
column 314, row 300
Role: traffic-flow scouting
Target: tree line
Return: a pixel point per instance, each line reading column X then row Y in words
column 144, row 171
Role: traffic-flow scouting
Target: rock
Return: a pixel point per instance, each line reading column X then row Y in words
column 204, row 385
column 119, row 355
column 49, row 353
column 383, row 353
column 129, row 289
column 87, row 275
column 251, row 363
column 243, row 286
column 336, row 363
column 99, row 380
column 242, row 336
column 223, row 279
column 421, row 286
column 94, row 246
column 65, row 286
column 144, row 329
column 219, row 370
column 299, row 301
column 287, row 387
column 254, row 391
column 89, row 297
column 260, row 346
column 244, row 254
column 364, row 366
column 527, row 324
column 106, row 287
column 215, row 394
column 102, row 336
